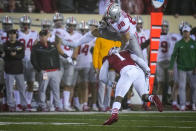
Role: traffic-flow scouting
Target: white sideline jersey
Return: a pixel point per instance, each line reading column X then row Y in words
column 142, row 37
column 63, row 34
column 52, row 36
column 84, row 59
column 3, row 37
column 164, row 46
column 28, row 40
column 173, row 38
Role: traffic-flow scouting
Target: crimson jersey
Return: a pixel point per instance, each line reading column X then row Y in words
column 119, row 60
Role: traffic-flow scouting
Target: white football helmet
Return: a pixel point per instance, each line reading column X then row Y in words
column 165, row 26
column 83, row 27
column 58, row 20
column 71, row 20
column 25, row 22
column 71, row 24
column 58, row 16
column 138, row 19
column 114, row 50
column 93, row 22
column 7, row 23
column 113, row 13
column 46, row 25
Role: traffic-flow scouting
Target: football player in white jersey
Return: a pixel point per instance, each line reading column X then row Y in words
column 93, row 76
column 28, row 37
column 84, row 61
column 115, row 25
column 163, row 62
column 173, row 38
column 7, row 24
column 142, row 35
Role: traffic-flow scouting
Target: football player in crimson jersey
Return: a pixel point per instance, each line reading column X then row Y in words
column 132, row 70
column 28, row 37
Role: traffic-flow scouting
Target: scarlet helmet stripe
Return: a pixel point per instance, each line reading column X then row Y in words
column 109, row 8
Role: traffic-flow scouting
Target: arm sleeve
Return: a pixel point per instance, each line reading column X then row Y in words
column 34, row 60
column 103, row 75
column 141, row 63
column 84, row 39
column 96, row 53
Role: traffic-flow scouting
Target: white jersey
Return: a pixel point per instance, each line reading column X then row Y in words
column 3, row 37
column 28, row 40
column 173, row 38
column 164, row 46
column 52, row 36
column 63, row 34
column 124, row 24
column 84, row 59
column 142, row 37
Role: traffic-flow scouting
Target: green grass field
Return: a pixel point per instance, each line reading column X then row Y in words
column 134, row 121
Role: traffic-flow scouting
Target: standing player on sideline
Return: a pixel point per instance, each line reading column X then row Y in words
column 173, row 39
column 132, row 70
column 7, row 24
column 28, row 38
column 93, row 76
column 163, row 63
column 84, row 60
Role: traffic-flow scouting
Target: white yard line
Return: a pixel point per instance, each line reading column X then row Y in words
column 86, row 125
column 89, row 113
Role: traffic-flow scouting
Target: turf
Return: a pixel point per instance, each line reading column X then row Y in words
column 135, row 121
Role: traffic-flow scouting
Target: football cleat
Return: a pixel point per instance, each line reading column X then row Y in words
column 157, row 103
column 175, row 107
column 112, row 119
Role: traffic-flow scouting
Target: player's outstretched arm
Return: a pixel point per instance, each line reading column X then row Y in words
column 83, row 40
column 103, row 75
column 141, row 63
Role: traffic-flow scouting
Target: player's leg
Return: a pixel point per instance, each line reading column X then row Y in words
column 124, row 83
column 93, row 84
column 29, row 75
column 107, row 99
column 193, row 90
column 142, row 89
column 101, row 95
column 84, row 86
column 68, row 80
column 160, row 79
column 9, row 91
column 42, row 91
column 175, row 105
column 21, row 86
column 55, row 86
column 182, row 75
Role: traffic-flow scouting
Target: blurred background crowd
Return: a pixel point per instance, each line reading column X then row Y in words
column 170, row 7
